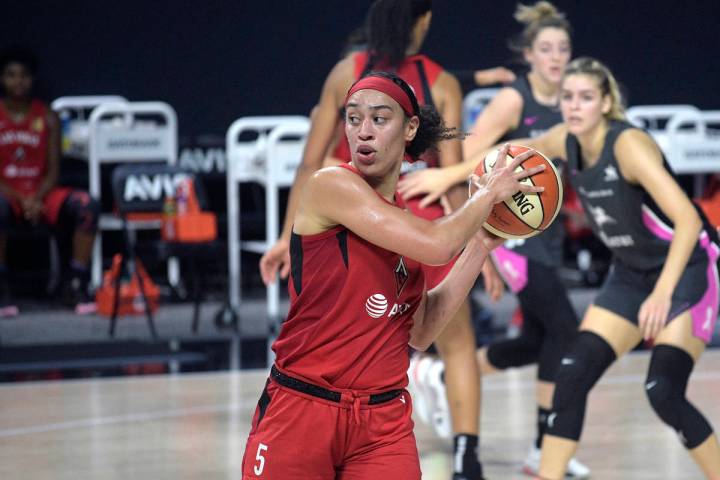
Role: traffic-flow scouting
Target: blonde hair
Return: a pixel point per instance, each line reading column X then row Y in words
column 537, row 17
column 605, row 80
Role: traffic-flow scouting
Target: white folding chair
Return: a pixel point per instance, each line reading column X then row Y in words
column 686, row 136
column 474, row 103
column 141, row 132
column 269, row 158
column 74, row 113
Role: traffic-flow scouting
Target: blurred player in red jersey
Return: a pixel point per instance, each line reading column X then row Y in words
column 335, row 405
column 29, row 166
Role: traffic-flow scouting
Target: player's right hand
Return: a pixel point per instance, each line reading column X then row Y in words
column 503, row 180
column 277, row 258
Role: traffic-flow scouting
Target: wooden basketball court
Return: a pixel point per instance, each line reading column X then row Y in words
column 192, row 426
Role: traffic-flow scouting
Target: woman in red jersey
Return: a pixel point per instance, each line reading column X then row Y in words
column 29, row 167
column 396, row 30
column 335, row 405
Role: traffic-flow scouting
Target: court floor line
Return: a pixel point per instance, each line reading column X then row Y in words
column 115, row 419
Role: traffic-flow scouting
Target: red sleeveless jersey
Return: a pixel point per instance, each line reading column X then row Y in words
column 351, row 312
column 408, row 71
column 23, row 148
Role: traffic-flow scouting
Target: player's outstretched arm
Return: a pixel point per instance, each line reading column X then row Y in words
column 442, row 302
column 336, row 196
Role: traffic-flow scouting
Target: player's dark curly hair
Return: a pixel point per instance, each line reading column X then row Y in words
column 432, row 128
column 18, row 55
column 389, row 25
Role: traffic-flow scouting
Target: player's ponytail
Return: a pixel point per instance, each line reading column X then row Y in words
column 537, row 17
column 431, row 131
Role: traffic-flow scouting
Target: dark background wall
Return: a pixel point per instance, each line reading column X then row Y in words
column 215, row 61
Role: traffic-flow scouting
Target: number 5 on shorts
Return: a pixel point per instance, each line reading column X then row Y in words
column 261, row 460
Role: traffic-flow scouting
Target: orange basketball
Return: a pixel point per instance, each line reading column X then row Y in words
column 525, row 215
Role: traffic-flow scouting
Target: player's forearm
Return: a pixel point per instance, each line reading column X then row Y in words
column 444, row 300
column 456, row 196
column 454, row 230
column 459, row 173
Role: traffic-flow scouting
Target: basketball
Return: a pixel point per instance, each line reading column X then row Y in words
column 525, row 215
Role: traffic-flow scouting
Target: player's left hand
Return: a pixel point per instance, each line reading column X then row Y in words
column 488, row 240
column 654, row 313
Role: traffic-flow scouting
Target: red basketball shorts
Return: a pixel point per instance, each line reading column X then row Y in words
column 296, row 436
column 52, row 202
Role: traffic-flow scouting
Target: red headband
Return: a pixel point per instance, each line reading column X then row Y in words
column 386, row 86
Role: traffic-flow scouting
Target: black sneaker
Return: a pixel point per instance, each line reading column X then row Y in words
column 8, row 308
column 474, row 471
column 77, row 296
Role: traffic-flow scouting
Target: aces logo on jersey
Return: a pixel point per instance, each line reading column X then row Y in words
column 38, row 125
column 401, row 276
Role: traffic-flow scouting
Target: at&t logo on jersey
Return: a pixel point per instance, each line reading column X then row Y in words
column 377, row 305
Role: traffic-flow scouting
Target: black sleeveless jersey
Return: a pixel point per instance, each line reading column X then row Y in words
column 536, row 119
column 622, row 215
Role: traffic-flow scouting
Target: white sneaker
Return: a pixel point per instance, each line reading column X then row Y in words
column 441, row 419
column 419, row 365
column 575, row 469
column 429, row 395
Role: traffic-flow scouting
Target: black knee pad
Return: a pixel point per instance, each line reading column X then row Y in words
column 83, row 210
column 667, row 379
column 516, row 352
column 584, row 363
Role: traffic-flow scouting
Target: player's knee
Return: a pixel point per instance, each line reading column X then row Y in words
column 579, row 369
column 664, row 399
column 516, row 352
column 667, row 379
column 85, row 211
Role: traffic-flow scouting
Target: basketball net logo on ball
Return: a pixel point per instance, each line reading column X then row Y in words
column 525, row 215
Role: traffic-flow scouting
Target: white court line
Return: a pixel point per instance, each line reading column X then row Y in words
column 222, row 408
column 129, row 418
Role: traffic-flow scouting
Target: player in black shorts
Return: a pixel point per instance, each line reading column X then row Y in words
column 663, row 285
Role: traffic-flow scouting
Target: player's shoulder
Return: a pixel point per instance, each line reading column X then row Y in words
column 334, row 178
column 635, row 142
